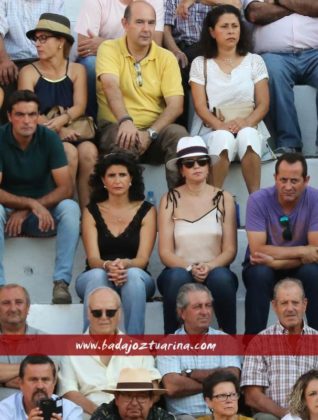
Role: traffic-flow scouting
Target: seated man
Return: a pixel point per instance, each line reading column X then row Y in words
column 35, row 187
column 15, row 49
column 268, row 380
column 282, row 231
column 286, row 35
column 14, row 309
column 182, row 376
column 134, row 398
column 83, row 379
column 139, row 91
column 99, row 20
column 37, row 377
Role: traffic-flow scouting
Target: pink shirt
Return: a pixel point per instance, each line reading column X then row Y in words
column 103, row 17
column 291, row 33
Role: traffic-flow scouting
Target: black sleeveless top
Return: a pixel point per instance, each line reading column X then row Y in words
column 54, row 92
column 126, row 244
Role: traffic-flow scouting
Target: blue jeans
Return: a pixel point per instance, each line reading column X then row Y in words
column 286, row 70
column 134, row 294
column 89, row 63
column 66, row 215
column 221, row 282
column 260, row 280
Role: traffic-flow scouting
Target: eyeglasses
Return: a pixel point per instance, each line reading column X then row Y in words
column 225, row 397
column 286, row 233
column 41, row 38
column 140, row 397
column 98, row 313
column 189, row 163
column 139, row 75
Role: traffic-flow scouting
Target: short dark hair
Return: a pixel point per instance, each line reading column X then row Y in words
column 137, row 188
column 292, row 158
column 36, row 359
column 22, row 96
column 208, row 45
column 218, row 376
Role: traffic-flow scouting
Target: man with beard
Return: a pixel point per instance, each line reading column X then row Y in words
column 37, row 377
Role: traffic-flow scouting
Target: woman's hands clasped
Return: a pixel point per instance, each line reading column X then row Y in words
column 117, row 272
column 200, row 271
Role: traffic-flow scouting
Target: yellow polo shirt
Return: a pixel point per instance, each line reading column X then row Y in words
column 160, row 75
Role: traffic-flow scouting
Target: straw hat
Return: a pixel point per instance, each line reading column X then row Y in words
column 190, row 147
column 56, row 24
column 135, row 380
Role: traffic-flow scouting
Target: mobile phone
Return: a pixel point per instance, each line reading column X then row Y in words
column 50, row 406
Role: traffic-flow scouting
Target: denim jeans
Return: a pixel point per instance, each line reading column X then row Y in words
column 66, row 215
column 89, row 63
column 260, row 280
column 285, row 70
column 221, row 282
column 134, row 294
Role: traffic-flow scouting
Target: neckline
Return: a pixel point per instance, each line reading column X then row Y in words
column 233, row 69
column 126, row 228
column 196, row 220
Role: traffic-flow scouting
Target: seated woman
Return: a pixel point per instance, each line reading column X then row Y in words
column 197, row 236
column 221, row 391
column 226, row 75
column 118, row 232
column 303, row 400
column 56, row 81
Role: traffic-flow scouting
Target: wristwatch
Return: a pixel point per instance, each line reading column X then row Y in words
column 187, row 372
column 152, row 134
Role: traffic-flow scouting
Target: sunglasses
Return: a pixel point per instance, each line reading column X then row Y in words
column 189, row 163
column 98, row 313
column 139, row 75
column 286, row 233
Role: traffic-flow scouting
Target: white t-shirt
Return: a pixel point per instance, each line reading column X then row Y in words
column 103, row 17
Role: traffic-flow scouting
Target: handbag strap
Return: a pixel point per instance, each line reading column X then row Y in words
column 205, row 74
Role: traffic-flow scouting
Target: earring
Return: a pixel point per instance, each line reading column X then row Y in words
column 60, row 46
column 105, row 187
column 130, row 184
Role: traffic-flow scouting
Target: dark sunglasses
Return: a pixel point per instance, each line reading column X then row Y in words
column 287, row 233
column 189, row 163
column 98, row 313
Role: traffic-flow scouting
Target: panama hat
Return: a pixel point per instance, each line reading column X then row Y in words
column 190, row 147
column 135, row 380
column 59, row 25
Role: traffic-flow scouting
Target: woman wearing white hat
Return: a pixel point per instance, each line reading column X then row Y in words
column 197, row 236
column 58, row 82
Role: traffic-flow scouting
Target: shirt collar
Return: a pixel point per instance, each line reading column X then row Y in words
column 150, row 56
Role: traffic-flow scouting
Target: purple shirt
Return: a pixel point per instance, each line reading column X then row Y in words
column 263, row 213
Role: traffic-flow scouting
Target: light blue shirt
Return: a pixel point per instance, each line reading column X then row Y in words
column 12, row 408
column 19, row 16
column 193, row 404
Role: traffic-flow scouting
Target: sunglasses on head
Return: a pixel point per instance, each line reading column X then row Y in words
column 189, row 163
column 286, row 233
column 98, row 313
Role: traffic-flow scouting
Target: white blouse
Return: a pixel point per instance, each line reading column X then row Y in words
column 236, row 87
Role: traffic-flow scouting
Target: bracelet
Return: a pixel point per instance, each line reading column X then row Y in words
column 125, row 118
column 69, row 117
column 104, row 265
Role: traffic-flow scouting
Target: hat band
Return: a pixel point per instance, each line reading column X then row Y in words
column 52, row 26
column 134, row 385
column 192, row 149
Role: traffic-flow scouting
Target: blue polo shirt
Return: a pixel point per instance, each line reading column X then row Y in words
column 28, row 172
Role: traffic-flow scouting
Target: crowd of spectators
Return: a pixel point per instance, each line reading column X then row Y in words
column 139, row 65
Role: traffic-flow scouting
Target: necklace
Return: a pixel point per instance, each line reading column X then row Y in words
column 228, row 61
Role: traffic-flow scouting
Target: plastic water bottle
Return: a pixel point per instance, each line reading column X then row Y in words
column 151, row 198
column 237, row 211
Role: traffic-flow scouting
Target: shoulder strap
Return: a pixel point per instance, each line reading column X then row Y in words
column 205, row 73
column 37, row 70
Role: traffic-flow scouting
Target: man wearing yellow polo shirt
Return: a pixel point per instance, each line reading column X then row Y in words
column 139, row 91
